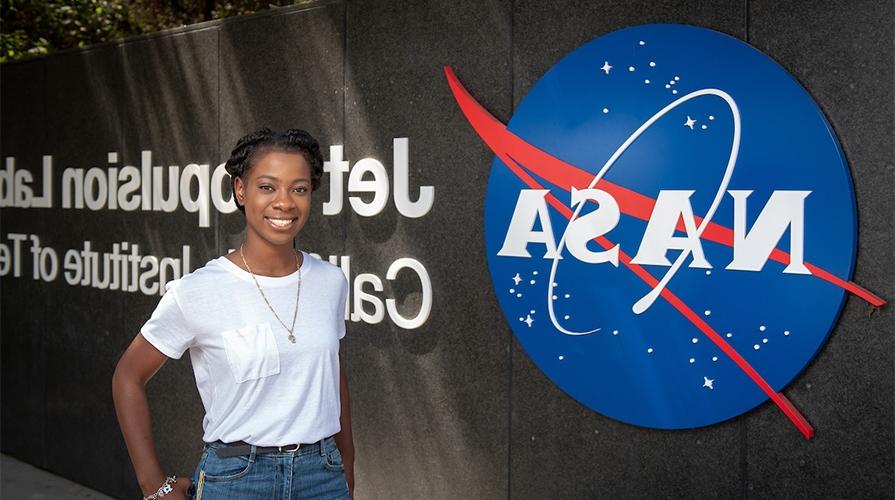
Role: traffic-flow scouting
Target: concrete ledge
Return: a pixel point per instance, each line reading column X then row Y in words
column 21, row 480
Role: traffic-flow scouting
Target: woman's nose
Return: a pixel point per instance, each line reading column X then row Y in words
column 283, row 200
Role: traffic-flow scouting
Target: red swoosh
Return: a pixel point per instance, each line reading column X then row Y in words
column 565, row 175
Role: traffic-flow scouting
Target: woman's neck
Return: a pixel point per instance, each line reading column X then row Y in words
column 267, row 260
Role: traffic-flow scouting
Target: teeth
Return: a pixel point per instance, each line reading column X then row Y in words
column 280, row 222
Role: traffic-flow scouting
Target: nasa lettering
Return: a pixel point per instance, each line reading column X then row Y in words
column 670, row 226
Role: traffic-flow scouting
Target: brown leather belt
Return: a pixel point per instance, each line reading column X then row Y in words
column 240, row 448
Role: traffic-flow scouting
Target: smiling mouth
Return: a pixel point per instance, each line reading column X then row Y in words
column 280, row 223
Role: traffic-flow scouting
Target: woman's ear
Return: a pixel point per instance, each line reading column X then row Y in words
column 239, row 191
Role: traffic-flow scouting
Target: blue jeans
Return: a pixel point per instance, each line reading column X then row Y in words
column 312, row 472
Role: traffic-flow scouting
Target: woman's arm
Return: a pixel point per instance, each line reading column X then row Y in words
column 343, row 439
column 137, row 365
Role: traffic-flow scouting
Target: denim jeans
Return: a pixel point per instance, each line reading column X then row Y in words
column 312, row 472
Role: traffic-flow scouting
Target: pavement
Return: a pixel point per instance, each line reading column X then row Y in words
column 19, row 480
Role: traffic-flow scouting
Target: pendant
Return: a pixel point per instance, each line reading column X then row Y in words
column 291, row 338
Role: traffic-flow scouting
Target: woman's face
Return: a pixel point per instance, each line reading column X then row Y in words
column 276, row 195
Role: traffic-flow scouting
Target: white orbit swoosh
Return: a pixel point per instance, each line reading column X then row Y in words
column 647, row 300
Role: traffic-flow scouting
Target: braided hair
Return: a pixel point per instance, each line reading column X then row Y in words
column 266, row 140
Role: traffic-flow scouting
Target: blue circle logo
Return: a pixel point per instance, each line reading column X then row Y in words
column 670, row 226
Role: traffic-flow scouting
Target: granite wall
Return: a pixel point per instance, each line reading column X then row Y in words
column 455, row 408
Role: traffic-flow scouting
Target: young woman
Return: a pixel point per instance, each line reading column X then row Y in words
column 263, row 326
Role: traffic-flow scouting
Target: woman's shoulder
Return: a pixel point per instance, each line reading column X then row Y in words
column 325, row 270
column 209, row 275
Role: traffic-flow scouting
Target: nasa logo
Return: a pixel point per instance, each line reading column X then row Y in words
column 670, row 226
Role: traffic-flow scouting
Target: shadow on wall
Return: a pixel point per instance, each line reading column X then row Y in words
column 426, row 401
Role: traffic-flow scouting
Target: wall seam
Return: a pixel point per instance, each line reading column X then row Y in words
column 43, row 344
column 509, row 334
column 125, row 473
column 344, row 216
column 343, row 219
column 744, row 426
column 218, row 244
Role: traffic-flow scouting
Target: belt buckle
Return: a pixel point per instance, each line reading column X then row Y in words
column 288, row 448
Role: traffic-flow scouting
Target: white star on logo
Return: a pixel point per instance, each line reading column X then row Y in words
column 708, row 383
column 528, row 320
column 606, row 67
column 690, row 122
column 517, row 279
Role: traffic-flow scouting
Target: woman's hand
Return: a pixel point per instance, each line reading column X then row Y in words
column 349, row 477
column 344, row 440
column 181, row 489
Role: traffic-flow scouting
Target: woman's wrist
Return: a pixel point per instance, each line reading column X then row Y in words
column 152, row 482
column 166, row 487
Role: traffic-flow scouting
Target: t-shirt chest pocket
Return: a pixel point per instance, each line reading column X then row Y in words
column 252, row 352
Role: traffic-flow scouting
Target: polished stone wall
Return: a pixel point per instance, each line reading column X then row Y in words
column 454, row 409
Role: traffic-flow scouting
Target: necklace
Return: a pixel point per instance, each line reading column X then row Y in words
column 297, row 293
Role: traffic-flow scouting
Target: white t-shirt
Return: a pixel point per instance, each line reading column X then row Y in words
column 257, row 386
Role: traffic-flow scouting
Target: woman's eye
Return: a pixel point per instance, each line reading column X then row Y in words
column 266, row 188
column 301, row 189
